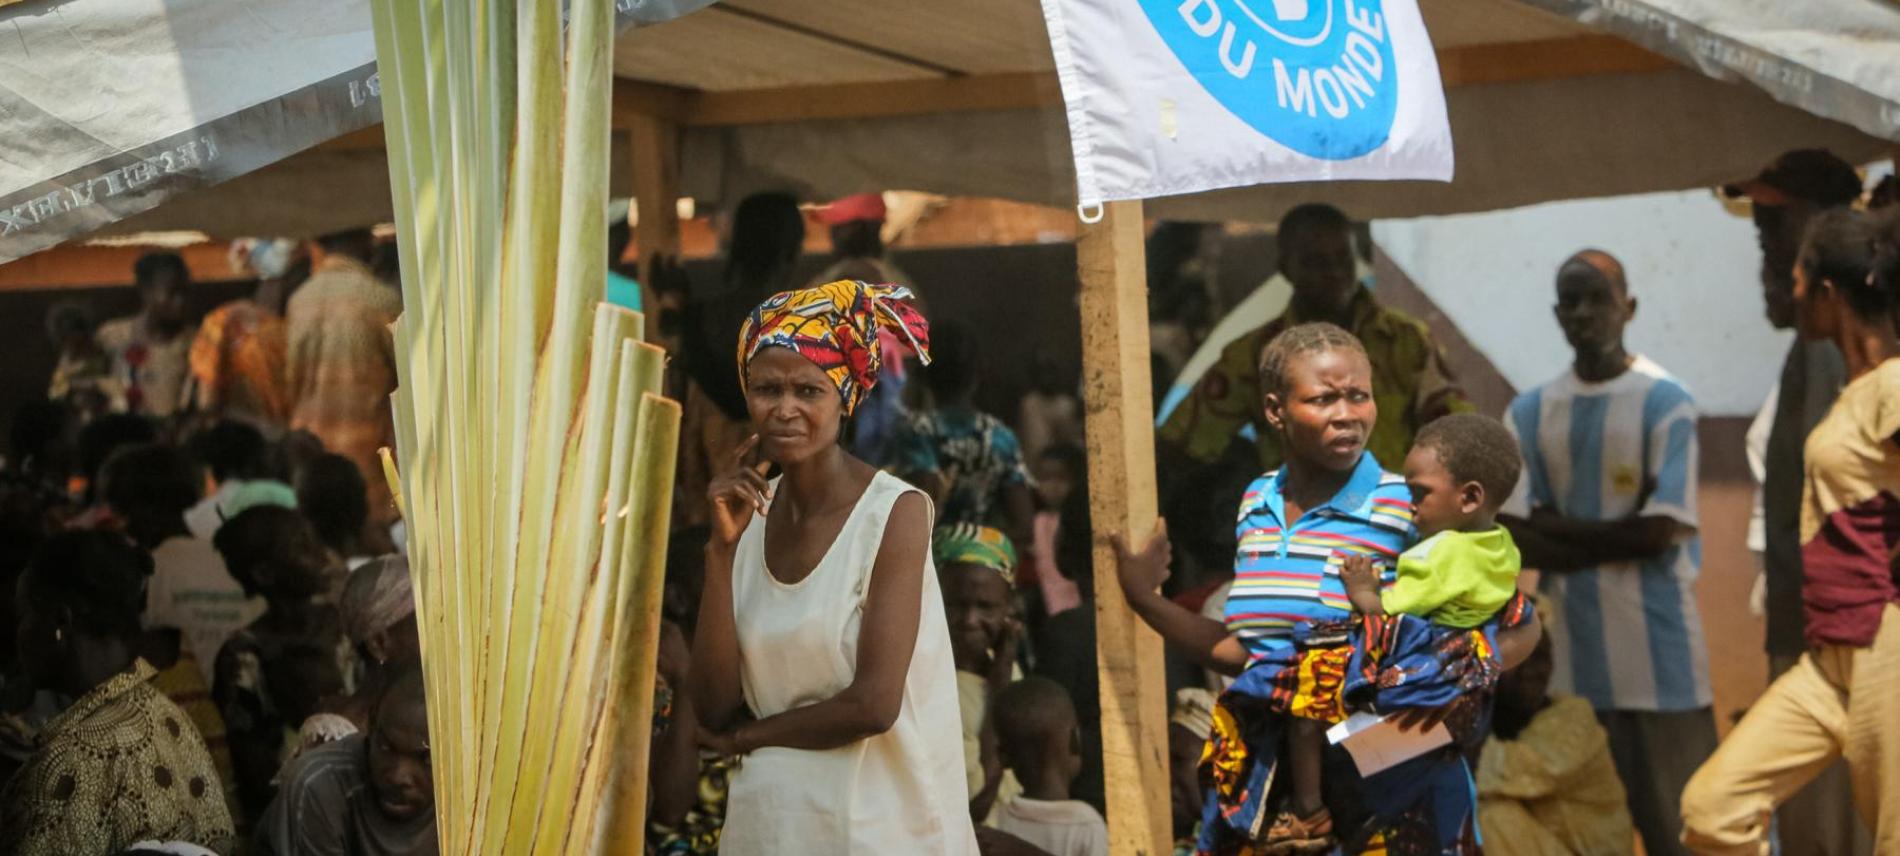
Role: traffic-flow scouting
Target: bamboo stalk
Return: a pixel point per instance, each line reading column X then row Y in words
column 534, row 458
column 620, row 818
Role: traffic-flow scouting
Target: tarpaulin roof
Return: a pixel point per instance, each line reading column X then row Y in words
column 113, row 107
column 1549, row 99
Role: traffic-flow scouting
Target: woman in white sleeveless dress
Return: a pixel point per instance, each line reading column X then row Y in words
column 821, row 612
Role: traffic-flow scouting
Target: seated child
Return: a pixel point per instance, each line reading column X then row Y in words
column 974, row 569
column 1461, row 573
column 1041, row 743
column 1188, row 727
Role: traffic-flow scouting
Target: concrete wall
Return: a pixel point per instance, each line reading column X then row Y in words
column 1693, row 268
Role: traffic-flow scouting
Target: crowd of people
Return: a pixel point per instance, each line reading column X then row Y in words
column 214, row 645
column 879, row 609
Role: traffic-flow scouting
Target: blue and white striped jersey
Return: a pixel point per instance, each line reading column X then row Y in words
column 1627, row 635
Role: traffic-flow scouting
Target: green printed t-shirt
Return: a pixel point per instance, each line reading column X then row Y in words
column 1457, row 579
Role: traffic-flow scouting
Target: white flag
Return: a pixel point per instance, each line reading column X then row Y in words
column 1176, row 96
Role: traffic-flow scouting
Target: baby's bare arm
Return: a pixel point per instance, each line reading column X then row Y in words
column 1362, row 583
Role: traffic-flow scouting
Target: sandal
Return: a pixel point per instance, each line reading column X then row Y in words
column 1292, row 834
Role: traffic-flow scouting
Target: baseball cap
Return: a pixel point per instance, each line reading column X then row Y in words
column 862, row 206
column 1809, row 175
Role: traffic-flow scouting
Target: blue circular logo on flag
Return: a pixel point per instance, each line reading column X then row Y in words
column 1316, row 76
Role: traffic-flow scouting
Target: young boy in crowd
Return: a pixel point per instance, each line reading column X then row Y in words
column 1057, row 470
column 1608, row 516
column 1460, row 471
column 1463, row 570
column 277, row 671
column 975, row 568
column 148, row 488
column 1041, row 743
column 83, row 366
column 1189, row 723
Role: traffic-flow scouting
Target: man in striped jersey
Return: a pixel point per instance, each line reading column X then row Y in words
column 1607, row 510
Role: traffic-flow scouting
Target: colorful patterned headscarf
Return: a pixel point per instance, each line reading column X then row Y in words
column 970, row 544
column 836, row 326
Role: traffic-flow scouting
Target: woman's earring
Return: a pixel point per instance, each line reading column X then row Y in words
column 59, row 635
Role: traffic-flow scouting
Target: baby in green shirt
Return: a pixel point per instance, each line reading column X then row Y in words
column 1461, row 470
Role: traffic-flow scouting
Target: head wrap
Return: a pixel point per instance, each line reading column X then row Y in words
column 377, row 597
column 970, row 544
column 1194, row 710
column 854, row 208
column 836, row 326
column 247, row 495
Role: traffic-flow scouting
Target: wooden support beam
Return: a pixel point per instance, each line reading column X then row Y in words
column 1545, row 59
column 1119, row 400
column 656, row 192
column 1471, row 65
column 1013, row 91
column 640, row 98
column 77, row 265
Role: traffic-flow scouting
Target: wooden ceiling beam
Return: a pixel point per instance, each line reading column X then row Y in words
column 1473, row 65
column 78, row 265
column 862, row 47
column 1545, row 59
column 1010, row 91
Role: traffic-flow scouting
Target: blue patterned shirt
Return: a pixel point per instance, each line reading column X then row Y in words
column 975, row 449
column 1286, row 574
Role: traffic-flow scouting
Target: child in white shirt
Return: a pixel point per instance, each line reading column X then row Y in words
column 1039, row 739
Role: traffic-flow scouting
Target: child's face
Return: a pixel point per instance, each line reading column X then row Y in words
column 1439, row 502
column 1184, row 762
column 976, row 602
column 1053, row 480
column 1591, row 309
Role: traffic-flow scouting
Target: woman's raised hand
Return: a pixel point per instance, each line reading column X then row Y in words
column 1143, row 572
column 739, row 494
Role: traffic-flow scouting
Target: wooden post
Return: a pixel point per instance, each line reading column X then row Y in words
column 656, row 183
column 1120, row 402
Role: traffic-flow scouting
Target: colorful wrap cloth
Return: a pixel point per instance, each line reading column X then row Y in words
column 970, row 544
column 836, row 326
column 240, row 359
column 1426, row 805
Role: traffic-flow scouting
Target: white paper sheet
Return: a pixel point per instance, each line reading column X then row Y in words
column 1376, row 744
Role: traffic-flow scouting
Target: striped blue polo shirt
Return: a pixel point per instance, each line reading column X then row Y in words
column 1286, row 573
column 1626, row 635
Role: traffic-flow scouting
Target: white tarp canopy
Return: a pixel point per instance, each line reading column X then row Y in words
column 1549, row 99
column 113, row 107
column 1834, row 58
column 1543, row 107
